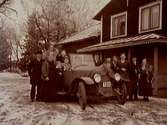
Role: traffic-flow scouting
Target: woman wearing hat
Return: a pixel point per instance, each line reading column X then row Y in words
column 145, row 80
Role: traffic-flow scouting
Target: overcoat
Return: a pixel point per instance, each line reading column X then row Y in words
column 145, row 87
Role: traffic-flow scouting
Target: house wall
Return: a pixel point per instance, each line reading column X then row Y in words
column 115, row 6
column 162, row 71
column 106, row 28
column 73, row 47
column 155, row 54
column 164, row 16
column 118, row 6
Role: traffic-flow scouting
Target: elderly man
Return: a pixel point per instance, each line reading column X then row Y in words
column 106, row 68
column 134, row 72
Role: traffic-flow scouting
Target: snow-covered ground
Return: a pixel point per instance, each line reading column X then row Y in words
column 17, row 109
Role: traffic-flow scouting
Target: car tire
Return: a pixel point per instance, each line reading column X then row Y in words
column 82, row 97
column 123, row 91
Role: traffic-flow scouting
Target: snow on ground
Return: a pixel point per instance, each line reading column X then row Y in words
column 17, row 109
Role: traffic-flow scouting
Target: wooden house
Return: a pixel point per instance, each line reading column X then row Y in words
column 138, row 28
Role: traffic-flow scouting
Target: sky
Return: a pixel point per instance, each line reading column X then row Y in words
column 80, row 7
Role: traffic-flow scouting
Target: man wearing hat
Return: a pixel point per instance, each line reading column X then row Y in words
column 106, row 67
column 34, row 70
column 134, row 73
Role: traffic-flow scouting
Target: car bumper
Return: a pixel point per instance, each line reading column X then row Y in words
column 100, row 90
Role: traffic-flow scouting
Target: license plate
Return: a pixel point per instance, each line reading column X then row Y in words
column 107, row 84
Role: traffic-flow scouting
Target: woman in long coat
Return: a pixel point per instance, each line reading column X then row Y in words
column 123, row 66
column 145, row 87
column 48, row 87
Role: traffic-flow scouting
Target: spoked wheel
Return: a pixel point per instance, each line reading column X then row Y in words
column 81, row 93
column 122, row 94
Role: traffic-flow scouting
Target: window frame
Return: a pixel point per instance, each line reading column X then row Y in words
column 152, row 4
column 111, row 27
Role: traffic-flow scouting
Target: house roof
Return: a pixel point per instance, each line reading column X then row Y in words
column 125, row 42
column 102, row 8
column 91, row 32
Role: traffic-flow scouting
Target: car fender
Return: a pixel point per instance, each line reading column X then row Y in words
column 87, row 80
column 74, row 85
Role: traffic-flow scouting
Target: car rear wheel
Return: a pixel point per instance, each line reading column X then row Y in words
column 122, row 95
column 82, row 98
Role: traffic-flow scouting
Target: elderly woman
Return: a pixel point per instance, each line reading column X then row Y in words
column 145, row 78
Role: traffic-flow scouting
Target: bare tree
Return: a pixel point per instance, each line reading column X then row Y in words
column 5, row 47
column 48, row 24
column 55, row 20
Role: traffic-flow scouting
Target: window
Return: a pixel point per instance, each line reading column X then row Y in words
column 150, row 17
column 119, row 25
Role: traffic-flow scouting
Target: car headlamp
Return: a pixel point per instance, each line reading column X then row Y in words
column 117, row 77
column 97, row 78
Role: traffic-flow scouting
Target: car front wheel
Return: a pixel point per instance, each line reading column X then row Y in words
column 81, row 93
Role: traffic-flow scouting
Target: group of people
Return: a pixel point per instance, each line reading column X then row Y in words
column 46, row 73
column 139, row 76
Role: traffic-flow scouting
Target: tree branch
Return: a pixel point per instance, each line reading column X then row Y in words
column 2, row 3
column 40, row 30
column 9, row 8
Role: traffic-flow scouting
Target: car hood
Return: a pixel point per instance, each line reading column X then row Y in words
column 69, row 76
column 89, row 71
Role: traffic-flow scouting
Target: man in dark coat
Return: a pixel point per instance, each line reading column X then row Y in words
column 106, row 68
column 134, row 71
column 34, row 70
column 114, row 64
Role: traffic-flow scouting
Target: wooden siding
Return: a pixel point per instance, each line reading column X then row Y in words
column 73, row 47
column 162, row 85
column 133, row 16
column 115, row 6
column 162, row 64
column 164, row 17
column 106, row 28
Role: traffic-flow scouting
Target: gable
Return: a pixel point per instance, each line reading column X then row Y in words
column 114, row 6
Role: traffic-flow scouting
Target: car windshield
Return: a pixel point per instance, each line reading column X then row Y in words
column 81, row 60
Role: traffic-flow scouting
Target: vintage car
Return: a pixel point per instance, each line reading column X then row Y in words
column 85, row 79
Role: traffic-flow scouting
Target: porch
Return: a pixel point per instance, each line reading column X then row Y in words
column 151, row 46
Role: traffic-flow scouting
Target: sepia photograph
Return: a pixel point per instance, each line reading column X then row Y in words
column 83, row 62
